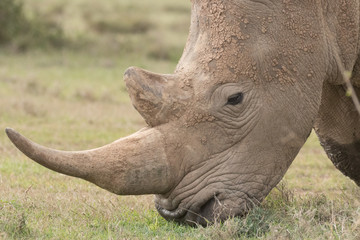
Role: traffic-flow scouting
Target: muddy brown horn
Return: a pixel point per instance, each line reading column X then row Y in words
column 157, row 97
column 146, row 92
column 129, row 166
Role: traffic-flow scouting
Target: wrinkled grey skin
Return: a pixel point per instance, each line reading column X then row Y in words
column 207, row 156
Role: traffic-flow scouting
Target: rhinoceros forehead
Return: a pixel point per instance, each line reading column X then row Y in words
column 223, row 50
column 246, row 41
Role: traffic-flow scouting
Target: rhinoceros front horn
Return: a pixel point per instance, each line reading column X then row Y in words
column 129, row 166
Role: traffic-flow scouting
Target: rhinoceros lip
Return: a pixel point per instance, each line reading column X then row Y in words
column 173, row 215
column 199, row 214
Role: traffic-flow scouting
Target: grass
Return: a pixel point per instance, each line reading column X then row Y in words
column 74, row 98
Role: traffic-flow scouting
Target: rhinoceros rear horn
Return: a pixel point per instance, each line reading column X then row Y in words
column 146, row 90
column 130, row 166
column 159, row 98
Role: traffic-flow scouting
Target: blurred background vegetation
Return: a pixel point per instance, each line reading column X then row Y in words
column 20, row 31
column 155, row 29
column 73, row 53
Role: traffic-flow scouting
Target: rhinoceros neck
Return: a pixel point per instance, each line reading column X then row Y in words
column 342, row 27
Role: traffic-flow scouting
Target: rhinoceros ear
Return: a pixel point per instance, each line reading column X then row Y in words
column 338, row 128
column 157, row 97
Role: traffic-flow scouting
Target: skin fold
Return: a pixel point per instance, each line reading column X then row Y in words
column 254, row 79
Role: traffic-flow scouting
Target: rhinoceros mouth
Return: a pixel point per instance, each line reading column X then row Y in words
column 172, row 215
column 199, row 214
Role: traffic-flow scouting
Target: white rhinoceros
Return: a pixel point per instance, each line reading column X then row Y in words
column 255, row 77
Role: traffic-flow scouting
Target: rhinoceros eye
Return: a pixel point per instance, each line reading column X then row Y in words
column 235, row 99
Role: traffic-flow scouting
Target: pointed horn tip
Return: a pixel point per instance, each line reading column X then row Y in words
column 11, row 133
column 17, row 139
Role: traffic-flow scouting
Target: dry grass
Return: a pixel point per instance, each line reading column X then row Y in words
column 76, row 99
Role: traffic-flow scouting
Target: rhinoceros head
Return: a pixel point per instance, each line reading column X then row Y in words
column 224, row 128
